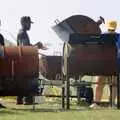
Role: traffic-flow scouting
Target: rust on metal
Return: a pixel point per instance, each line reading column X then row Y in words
column 18, row 68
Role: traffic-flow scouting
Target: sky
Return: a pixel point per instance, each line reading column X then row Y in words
column 45, row 12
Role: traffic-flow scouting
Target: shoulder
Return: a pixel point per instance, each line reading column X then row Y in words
column 1, row 37
column 110, row 36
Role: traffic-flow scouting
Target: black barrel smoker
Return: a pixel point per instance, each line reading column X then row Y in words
column 86, row 51
column 50, row 67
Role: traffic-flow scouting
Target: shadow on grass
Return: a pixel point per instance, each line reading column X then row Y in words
column 55, row 110
column 38, row 110
column 20, row 111
column 9, row 112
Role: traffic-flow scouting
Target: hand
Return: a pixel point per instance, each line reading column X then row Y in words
column 40, row 46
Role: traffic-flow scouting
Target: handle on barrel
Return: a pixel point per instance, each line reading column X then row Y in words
column 100, row 21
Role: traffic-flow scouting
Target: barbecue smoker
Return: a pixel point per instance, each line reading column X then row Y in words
column 86, row 51
column 19, row 71
column 50, row 67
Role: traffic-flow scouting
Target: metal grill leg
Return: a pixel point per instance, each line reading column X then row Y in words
column 67, row 93
column 63, row 95
column 118, row 91
column 33, row 102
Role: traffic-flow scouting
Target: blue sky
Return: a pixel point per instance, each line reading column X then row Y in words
column 44, row 12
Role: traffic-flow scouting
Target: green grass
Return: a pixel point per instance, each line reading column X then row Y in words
column 41, row 114
column 53, row 111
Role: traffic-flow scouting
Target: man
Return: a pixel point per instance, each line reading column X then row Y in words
column 1, row 54
column 23, row 40
column 22, row 37
column 112, row 25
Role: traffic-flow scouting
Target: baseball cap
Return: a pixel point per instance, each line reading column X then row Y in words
column 26, row 19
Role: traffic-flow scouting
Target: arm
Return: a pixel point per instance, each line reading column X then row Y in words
column 2, row 40
column 39, row 45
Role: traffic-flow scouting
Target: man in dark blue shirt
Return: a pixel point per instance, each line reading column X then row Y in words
column 23, row 40
column 22, row 37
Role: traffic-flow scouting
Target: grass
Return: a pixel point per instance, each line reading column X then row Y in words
column 53, row 111
column 39, row 114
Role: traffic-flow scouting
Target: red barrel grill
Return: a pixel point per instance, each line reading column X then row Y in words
column 19, row 68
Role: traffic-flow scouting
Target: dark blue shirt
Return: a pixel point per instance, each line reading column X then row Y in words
column 23, row 38
column 1, row 40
